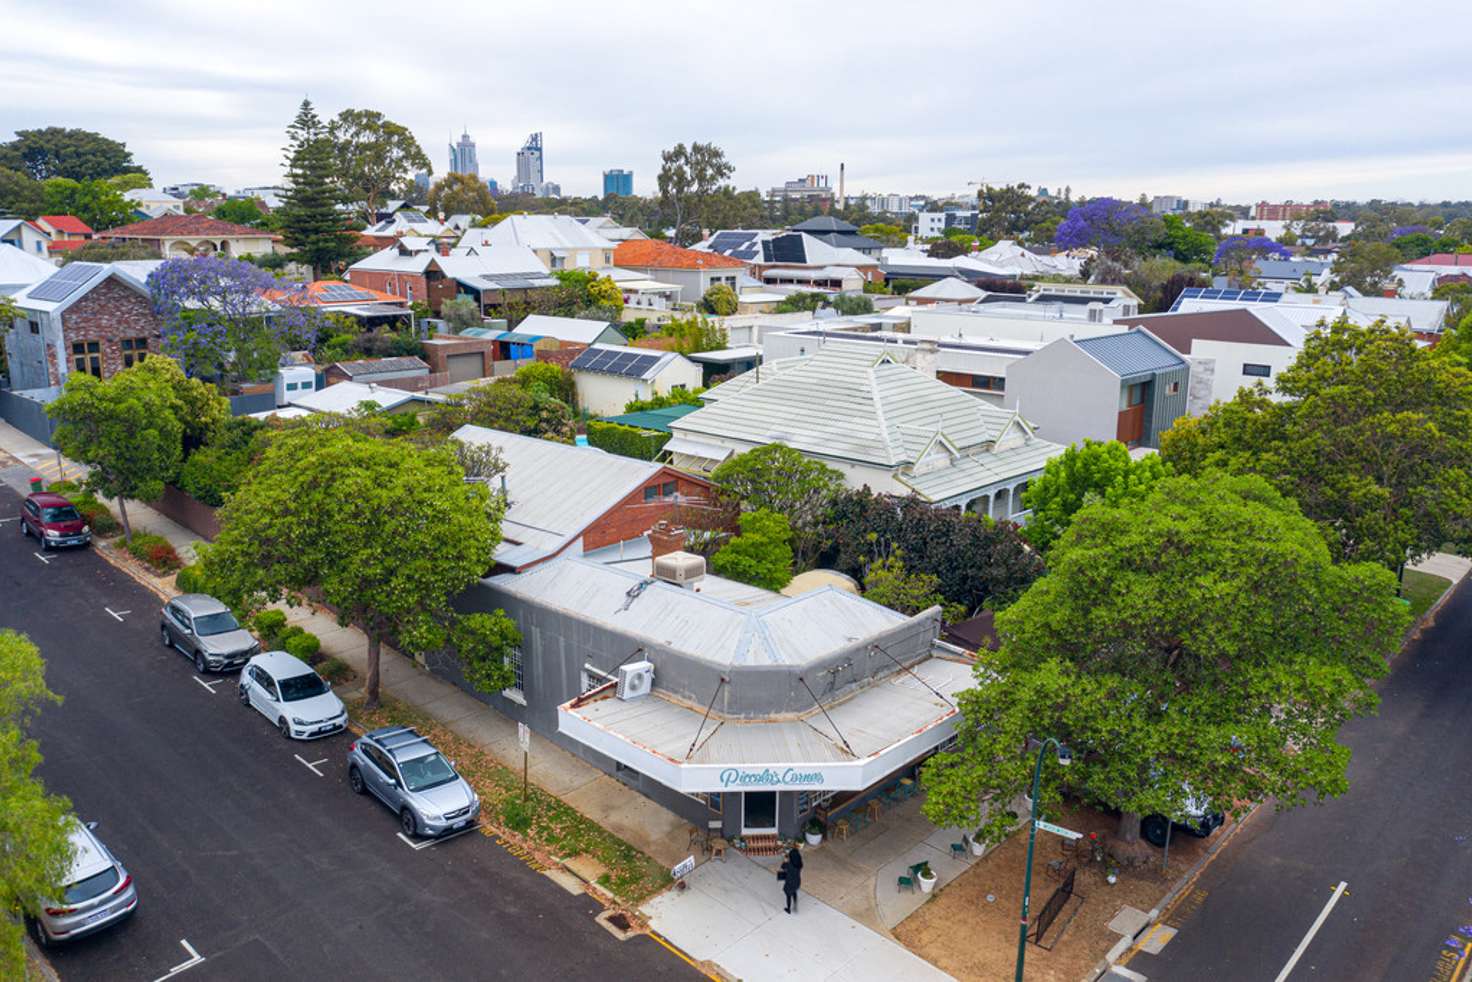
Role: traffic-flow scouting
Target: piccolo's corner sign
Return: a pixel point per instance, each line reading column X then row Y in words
column 767, row 777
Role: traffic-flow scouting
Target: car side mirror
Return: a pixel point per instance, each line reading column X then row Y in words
column 91, row 825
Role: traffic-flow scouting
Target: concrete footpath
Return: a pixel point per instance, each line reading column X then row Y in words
column 833, row 946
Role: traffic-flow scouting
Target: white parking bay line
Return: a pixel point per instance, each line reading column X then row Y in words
column 1318, row 923
column 117, row 614
column 208, row 686
column 311, row 765
column 195, row 958
column 42, row 558
column 426, row 843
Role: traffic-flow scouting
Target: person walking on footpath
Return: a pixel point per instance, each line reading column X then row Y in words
column 791, row 876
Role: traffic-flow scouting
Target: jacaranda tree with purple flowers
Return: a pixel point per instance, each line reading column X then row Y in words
column 1236, row 258
column 227, row 319
column 1109, row 225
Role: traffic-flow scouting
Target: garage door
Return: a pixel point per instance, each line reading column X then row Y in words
column 463, row 368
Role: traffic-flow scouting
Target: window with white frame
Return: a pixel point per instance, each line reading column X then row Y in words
column 710, row 799
column 516, row 692
column 594, row 677
column 808, row 800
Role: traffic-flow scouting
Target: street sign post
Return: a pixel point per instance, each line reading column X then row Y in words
column 683, row 866
column 1058, row 830
column 524, row 737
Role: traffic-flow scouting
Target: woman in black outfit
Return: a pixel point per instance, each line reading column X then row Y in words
column 792, row 878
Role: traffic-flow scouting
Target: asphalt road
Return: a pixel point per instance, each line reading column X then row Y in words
column 264, row 868
column 1400, row 839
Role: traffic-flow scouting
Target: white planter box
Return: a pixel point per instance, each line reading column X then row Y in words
column 814, row 838
column 927, row 883
column 978, row 848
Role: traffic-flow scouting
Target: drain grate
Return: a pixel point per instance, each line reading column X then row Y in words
column 620, row 920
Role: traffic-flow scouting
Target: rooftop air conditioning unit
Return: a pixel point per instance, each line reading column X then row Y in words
column 635, row 679
column 683, row 569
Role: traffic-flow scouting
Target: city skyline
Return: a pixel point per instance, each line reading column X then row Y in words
column 1092, row 114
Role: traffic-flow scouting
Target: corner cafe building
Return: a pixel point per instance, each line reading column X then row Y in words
column 762, row 707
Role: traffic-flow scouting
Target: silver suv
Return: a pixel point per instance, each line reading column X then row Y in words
column 99, row 891
column 408, row 774
column 206, row 631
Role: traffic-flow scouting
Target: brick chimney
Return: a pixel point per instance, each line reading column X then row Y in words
column 665, row 538
column 927, row 355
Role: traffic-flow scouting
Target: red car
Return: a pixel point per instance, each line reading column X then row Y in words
column 54, row 520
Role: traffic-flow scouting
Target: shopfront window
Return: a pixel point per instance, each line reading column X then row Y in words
column 516, row 692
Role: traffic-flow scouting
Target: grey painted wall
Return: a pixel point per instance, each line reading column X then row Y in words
column 1166, row 408
column 1067, row 395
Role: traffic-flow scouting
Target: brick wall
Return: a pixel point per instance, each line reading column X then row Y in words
column 438, row 350
column 108, row 314
column 561, row 356
column 633, row 516
column 399, row 284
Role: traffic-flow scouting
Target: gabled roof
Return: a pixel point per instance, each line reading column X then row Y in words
column 1131, row 354
column 84, row 277
column 573, row 329
column 643, row 364
column 555, row 490
column 369, row 367
column 1238, row 325
column 19, row 269
column 552, row 232
column 952, row 288
column 1443, row 259
column 848, row 401
column 824, row 223
column 168, row 226
column 654, row 254
column 331, row 293
column 70, row 224
column 344, row 397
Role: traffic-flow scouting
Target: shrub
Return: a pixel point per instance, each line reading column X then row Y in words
column 720, row 300
column 98, row 516
column 627, row 441
column 190, row 579
column 62, row 487
column 269, row 624
column 284, row 636
column 155, row 552
column 334, row 670
column 303, row 645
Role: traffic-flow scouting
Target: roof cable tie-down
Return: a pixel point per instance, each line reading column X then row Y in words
column 708, row 707
column 819, row 704
column 917, row 678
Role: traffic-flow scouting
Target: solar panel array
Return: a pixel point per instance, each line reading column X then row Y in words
column 737, row 245
column 609, row 361
column 66, row 282
column 787, row 249
column 342, row 291
column 1231, row 296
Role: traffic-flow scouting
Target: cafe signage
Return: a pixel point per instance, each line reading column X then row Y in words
column 769, row 777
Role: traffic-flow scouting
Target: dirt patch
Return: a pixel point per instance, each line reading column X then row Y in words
column 962, row 932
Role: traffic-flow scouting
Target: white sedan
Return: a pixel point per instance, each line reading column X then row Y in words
column 286, row 691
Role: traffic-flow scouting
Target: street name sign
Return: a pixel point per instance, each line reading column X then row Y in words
column 1059, row 830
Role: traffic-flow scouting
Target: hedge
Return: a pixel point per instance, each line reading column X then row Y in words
column 304, row 646
column 190, row 580
column 627, row 441
column 269, row 624
column 155, row 552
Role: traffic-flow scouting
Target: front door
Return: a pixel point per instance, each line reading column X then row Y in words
column 759, row 812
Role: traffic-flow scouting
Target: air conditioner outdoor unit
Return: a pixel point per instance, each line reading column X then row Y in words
column 635, row 679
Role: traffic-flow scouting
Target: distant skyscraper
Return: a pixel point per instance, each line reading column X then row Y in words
column 462, row 157
column 529, row 166
column 492, row 186
column 618, row 182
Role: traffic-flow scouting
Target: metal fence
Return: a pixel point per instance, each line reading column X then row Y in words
column 26, row 411
column 1054, row 907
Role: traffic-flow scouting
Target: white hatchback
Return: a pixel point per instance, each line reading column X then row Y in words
column 286, row 691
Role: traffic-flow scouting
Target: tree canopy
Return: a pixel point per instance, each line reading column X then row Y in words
column 461, row 194
column 386, row 532
column 1372, row 437
column 761, row 555
column 126, row 429
column 1081, row 475
column 780, row 479
column 375, row 155
column 688, row 178
column 1194, row 642
column 311, row 223
column 507, row 404
column 1368, row 267
column 37, row 856
column 78, row 155
column 96, row 202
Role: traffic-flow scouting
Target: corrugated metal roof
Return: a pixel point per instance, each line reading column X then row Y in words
column 1129, row 354
column 555, row 489
column 653, row 419
column 565, row 328
column 790, row 631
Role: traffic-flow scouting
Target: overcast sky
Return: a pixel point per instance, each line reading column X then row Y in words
column 1347, row 99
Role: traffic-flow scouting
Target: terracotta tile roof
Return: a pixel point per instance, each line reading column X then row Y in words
column 168, row 226
column 65, row 245
column 70, row 224
column 654, row 254
column 1443, row 259
column 314, row 295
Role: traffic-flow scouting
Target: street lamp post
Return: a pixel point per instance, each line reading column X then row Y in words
column 1065, row 758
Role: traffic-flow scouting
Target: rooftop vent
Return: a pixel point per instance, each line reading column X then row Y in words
column 683, row 569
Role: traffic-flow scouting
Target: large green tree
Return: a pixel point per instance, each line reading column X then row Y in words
column 1195, row 642
column 1371, row 434
column 384, row 532
column 461, row 194
column 1367, row 266
column 311, row 222
column 95, row 202
column 79, row 155
column 1081, row 475
column 37, row 853
column 504, row 404
column 375, row 156
column 20, row 194
column 761, row 555
column 126, row 429
column 778, row 478
column 688, row 178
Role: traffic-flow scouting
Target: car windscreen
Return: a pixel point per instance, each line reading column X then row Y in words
column 299, row 687
column 93, row 886
column 429, row 771
column 61, row 513
column 217, row 623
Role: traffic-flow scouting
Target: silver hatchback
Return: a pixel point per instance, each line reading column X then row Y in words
column 205, row 630
column 404, row 771
column 99, row 892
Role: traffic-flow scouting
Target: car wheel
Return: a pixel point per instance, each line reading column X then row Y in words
column 1155, row 828
column 281, row 726
column 407, row 822
column 39, row 933
column 355, row 780
column 244, row 697
column 199, row 665
column 25, row 529
column 163, row 636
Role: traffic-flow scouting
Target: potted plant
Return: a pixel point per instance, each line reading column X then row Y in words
column 813, row 832
column 1112, row 876
column 978, row 845
column 926, row 876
